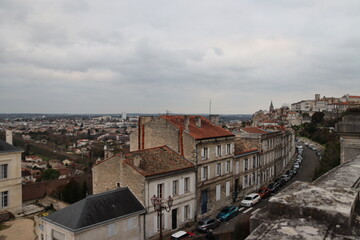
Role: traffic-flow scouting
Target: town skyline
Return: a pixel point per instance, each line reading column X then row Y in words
column 135, row 56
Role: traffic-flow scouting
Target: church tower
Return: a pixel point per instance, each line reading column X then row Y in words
column 271, row 109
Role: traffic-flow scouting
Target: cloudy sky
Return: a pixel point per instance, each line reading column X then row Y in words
column 116, row 56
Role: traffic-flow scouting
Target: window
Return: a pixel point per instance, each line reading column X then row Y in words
column 205, row 153
column 227, row 190
column 3, row 171
column 57, row 235
column 187, row 212
column 118, row 184
column 254, row 162
column 175, row 187
column 227, row 166
column 218, row 151
column 4, row 199
column 218, row 169
column 160, row 190
column 187, row 184
column 245, row 181
column 205, row 173
column 110, row 230
column 245, row 164
column 218, row 192
column 228, row 149
column 253, row 177
column 131, row 223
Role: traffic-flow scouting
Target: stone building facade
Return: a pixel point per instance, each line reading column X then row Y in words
column 276, row 148
column 349, row 132
column 247, row 172
column 209, row 147
column 10, row 176
column 158, row 171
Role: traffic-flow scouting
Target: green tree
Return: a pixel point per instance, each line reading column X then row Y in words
column 50, row 174
column 317, row 117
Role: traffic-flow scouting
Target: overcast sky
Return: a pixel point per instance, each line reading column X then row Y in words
column 116, row 56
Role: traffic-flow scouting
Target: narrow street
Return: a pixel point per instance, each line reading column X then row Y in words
column 305, row 173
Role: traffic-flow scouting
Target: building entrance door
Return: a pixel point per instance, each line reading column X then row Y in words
column 204, row 201
column 174, row 218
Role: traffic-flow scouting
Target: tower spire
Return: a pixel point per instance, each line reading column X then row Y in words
column 271, row 109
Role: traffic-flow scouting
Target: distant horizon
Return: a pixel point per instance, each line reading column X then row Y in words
column 130, row 113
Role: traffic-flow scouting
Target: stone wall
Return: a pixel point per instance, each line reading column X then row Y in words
column 106, row 175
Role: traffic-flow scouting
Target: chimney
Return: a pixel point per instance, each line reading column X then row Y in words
column 186, row 123
column 137, row 161
column 9, row 136
column 215, row 119
column 198, row 121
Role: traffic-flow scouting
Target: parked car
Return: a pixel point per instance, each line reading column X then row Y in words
column 182, row 235
column 281, row 181
column 296, row 165
column 318, row 153
column 250, row 200
column 286, row 177
column 264, row 192
column 207, row 223
column 295, row 171
column 227, row 212
column 274, row 187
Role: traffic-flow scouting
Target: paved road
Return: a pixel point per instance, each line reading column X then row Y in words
column 306, row 172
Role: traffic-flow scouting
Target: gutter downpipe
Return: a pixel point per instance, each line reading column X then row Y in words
column 196, row 182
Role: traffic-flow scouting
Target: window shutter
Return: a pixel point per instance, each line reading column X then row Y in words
column 209, row 177
column 227, row 188
column 181, row 186
column 202, row 152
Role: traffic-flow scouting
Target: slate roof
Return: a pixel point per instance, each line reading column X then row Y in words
column 6, row 147
column 157, row 160
column 97, row 209
column 207, row 129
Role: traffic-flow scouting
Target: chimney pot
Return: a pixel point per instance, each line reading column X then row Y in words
column 186, row 123
column 9, row 136
column 198, row 121
column 137, row 161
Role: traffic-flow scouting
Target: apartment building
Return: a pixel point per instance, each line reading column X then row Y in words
column 157, row 171
column 276, row 151
column 209, row 147
column 247, row 172
column 10, row 176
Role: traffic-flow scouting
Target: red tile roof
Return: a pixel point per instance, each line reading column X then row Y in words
column 254, row 130
column 158, row 160
column 354, row 96
column 207, row 129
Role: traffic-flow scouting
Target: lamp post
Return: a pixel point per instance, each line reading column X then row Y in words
column 159, row 206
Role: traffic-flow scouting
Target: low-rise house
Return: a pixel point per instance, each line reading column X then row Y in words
column 115, row 214
column 158, row 171
column 33, row 159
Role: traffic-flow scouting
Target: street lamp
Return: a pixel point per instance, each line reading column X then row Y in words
column 159, row 206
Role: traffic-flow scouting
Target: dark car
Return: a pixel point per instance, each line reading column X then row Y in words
column 264, row 192
column 227, row 212
column 274, row 187
column 207, row 223
column 281, row 181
